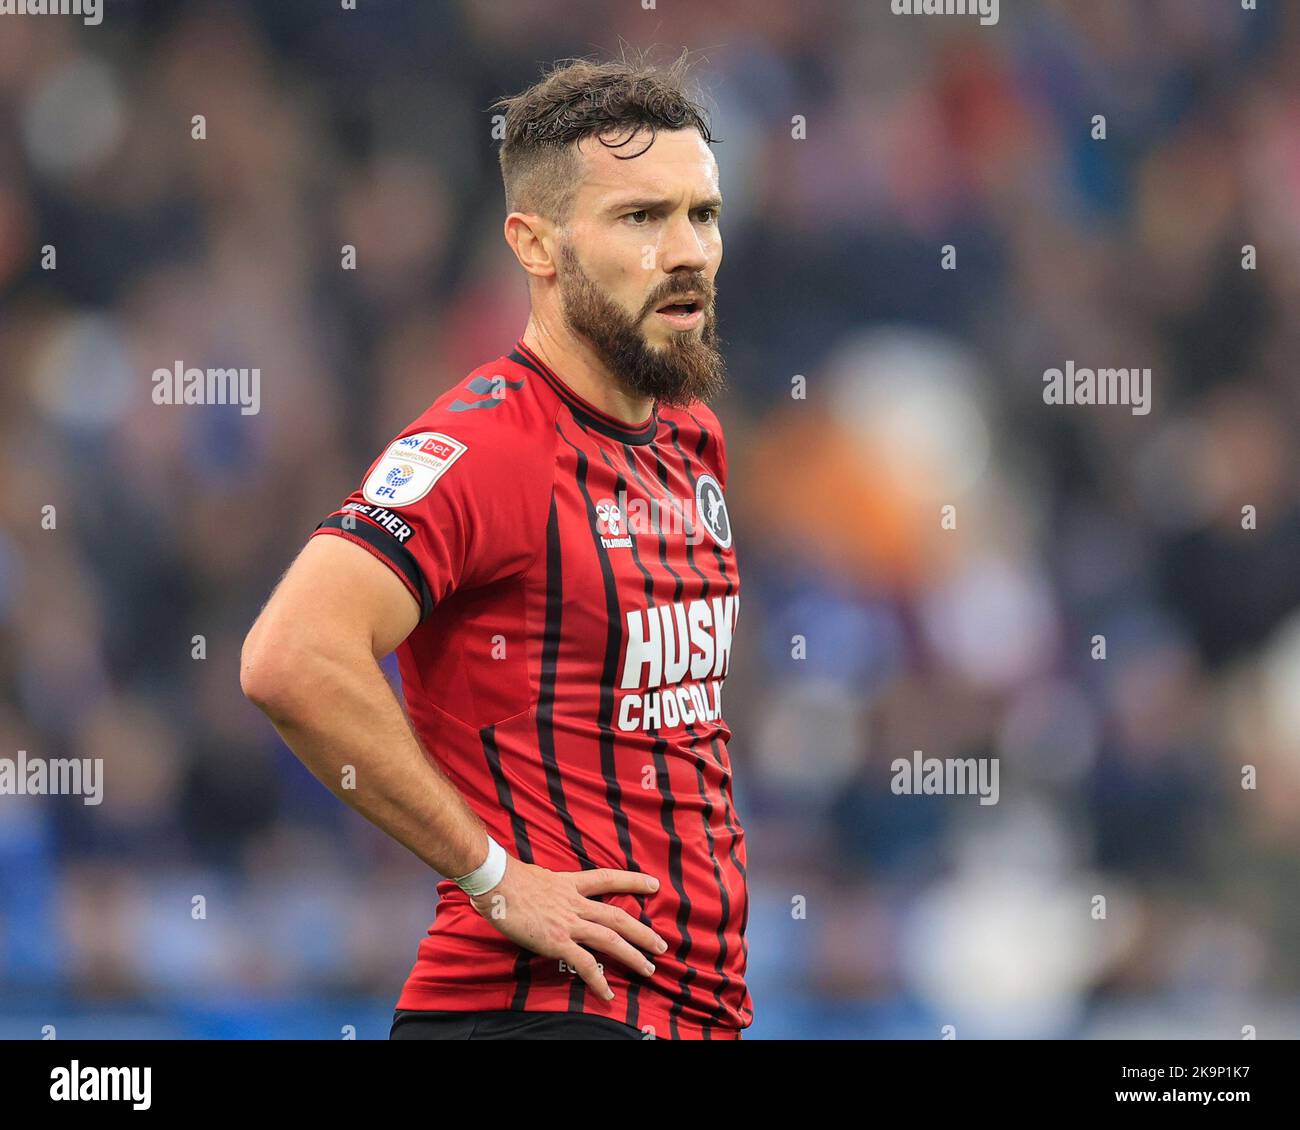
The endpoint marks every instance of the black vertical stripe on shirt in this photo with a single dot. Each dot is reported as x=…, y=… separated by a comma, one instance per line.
x=620, y=485
x=546, y=690
x=705, y=438
x=661, y=771
x=723, y=898
x=523, y=849
x=735, y=860
x=661, y=472
x=546, y=708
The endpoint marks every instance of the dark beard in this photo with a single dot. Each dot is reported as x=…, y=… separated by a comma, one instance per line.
x=687, y=369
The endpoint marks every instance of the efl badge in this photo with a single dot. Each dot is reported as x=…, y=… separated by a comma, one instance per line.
x=410, y=467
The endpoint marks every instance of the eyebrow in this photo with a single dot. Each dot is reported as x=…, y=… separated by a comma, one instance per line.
x=637, y=203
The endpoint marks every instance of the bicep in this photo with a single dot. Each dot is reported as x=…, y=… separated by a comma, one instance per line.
x=337, y=590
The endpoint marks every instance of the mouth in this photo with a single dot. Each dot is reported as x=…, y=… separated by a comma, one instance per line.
x=683, y=312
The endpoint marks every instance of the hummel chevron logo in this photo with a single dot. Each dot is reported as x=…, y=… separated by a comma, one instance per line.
x=494, y=387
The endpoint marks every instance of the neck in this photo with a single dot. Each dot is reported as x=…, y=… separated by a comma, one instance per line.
x=577, y=364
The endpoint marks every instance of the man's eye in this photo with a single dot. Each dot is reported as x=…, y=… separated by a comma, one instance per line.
x=644, y=212
x=708, y=215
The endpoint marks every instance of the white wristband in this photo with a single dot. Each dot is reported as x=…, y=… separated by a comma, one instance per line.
x=488, y=874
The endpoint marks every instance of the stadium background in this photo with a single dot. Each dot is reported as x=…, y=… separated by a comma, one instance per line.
x=1119, y=777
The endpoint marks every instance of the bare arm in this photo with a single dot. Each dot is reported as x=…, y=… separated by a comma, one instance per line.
x=311, y=664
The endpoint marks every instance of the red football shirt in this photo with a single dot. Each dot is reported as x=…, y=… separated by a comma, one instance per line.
x=578, y=589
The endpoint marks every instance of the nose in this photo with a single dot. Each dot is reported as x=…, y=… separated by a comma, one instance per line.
x=681, y=248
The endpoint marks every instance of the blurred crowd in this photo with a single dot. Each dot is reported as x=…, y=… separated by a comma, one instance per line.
x=1140, y=874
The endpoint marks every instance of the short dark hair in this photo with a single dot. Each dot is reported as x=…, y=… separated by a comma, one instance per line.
x=576, y=99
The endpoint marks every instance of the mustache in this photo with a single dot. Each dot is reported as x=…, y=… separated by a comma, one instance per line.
x=698, y=283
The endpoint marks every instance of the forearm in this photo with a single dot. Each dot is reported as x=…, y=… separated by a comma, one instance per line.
x=339, y=712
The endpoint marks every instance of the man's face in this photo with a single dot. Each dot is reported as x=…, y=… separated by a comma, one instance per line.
x=643, y=232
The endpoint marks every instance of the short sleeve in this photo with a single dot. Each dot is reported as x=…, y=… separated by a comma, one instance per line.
x=442, y=511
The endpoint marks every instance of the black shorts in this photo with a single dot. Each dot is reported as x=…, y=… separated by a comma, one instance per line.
x=507, y=1024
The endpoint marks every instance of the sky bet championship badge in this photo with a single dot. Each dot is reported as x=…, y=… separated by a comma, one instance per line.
x=410, y=467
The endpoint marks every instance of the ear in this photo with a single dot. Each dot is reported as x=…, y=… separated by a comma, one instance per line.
x=531, y=238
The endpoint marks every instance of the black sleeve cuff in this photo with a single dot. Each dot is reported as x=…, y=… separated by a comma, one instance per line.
x=390, y=549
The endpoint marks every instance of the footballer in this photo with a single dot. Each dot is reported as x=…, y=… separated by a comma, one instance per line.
x=547, y=547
